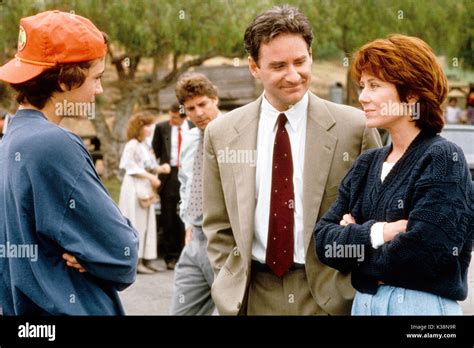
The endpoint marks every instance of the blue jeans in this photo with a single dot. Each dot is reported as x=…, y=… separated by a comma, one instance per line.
x=391, y=300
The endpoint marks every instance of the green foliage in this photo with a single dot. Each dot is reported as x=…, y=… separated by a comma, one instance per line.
x=148, y=28
x=445, y=24
x=113, y=186
x=156, y=28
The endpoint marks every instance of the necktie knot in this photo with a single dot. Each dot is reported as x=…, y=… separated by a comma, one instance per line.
x=282, y=119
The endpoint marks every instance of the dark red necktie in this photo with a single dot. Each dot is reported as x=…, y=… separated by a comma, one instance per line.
x=279, y=255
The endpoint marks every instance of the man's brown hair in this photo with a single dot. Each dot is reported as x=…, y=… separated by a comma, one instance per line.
x=194, y=85
x=269, y=24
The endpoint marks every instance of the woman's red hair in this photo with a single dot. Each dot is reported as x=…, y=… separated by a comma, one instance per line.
x=410, y=64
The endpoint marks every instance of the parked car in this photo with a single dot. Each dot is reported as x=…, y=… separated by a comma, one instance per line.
x=463, y=136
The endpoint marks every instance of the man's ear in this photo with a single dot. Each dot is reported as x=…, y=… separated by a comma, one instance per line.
x=253, y=67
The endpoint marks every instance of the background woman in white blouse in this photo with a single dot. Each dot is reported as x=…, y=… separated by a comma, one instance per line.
x=141, y=171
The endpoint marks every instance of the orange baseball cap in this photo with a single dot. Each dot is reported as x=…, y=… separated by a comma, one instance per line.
x=51, y=38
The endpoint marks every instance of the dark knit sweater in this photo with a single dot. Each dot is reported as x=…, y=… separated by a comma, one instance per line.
x=430, y=185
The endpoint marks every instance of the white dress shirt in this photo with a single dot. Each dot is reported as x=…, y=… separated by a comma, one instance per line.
x=174, y=142
x=296, y=128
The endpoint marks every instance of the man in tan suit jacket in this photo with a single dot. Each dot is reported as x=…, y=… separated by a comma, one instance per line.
x=233, y=192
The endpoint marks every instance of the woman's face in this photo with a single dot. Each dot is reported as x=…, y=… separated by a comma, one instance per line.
x=146, y=131
x=381, y=103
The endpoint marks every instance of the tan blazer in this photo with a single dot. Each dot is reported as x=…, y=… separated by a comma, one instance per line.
x=336, y=135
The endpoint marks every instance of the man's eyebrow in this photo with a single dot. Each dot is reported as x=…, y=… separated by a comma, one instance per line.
x=283, y=62
x=276, y=63
x=301, y=58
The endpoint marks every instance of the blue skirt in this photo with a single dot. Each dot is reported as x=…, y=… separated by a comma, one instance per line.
x=391, y=300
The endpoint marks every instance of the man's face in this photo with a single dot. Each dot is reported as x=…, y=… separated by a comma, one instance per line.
x=176, y=119
x=201, y=110
x=284, y=67
x=88, y=90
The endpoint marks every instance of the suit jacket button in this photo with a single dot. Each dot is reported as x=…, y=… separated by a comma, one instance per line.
x=239, y=305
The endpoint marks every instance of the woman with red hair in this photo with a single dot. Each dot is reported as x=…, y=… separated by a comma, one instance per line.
x=404, y=215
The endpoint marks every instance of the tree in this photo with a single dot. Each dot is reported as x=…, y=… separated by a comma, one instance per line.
x=185, y=32
x=350, y=24
x=179, y=34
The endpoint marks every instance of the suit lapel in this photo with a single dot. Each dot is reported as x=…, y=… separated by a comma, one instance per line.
x=319, y=152
x=244, y=173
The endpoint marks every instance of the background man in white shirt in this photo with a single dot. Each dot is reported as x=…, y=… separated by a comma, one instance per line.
x=193, y=272
x=259, y=216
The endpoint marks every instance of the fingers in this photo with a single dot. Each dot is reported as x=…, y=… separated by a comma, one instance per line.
x=402, y=225
x=72, y=262
x=351, y=219
x=347, y=219
x=69, y=257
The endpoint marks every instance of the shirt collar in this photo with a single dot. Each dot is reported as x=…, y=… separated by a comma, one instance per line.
x=294, y=114
x=30, y=113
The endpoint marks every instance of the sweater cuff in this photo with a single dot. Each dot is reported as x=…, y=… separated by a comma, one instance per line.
x=362, y=235
x=376, y=234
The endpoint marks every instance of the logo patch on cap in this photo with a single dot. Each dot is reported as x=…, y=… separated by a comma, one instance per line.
x=21, y=39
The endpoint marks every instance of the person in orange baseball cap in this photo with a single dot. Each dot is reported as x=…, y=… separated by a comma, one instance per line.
x=50, y=39
x=77, y=247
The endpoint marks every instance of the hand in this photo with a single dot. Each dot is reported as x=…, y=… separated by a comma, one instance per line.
x=71, y=261
x=188, y=236
x=155, y=182
x=391, y=229
x=347, y=219
x=164, y=169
